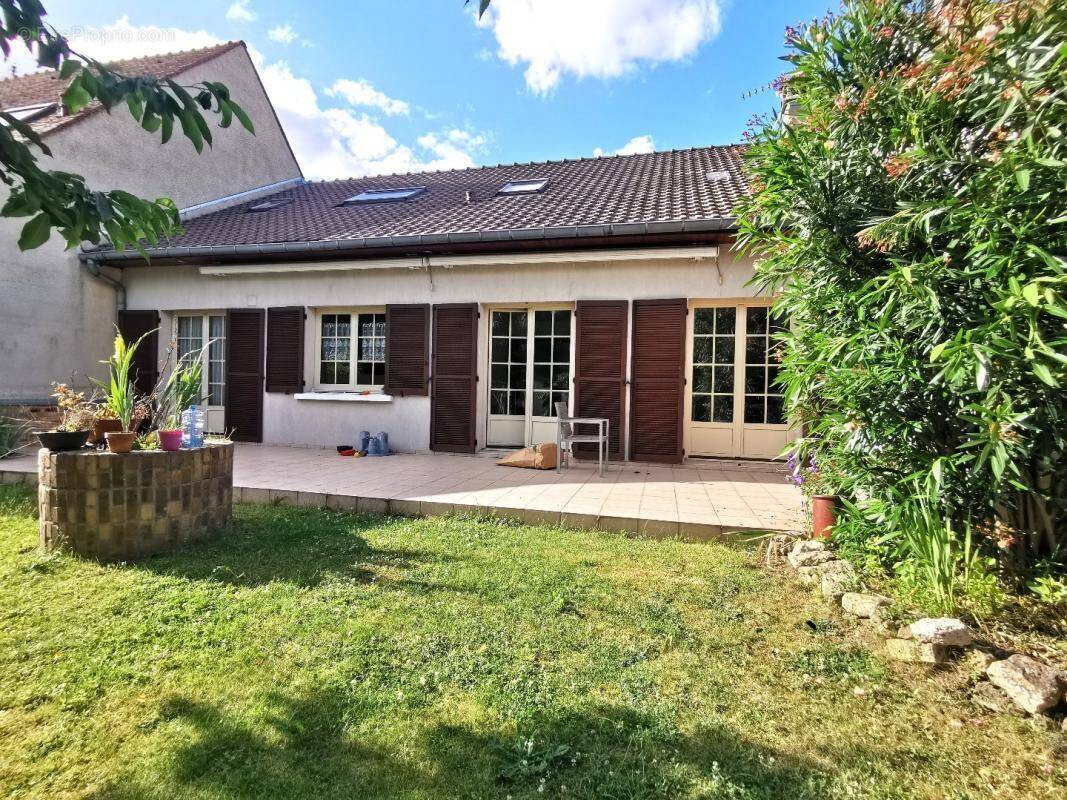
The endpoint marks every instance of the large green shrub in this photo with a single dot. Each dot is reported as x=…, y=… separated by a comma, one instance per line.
x=911, y=209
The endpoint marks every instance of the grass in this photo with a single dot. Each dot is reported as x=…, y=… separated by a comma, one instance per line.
x=321, y=654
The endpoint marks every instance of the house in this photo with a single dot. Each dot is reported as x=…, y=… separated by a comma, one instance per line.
x=453, y=310
x=56, y=316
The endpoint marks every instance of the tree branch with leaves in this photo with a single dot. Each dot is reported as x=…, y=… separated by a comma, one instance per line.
x=61, y=201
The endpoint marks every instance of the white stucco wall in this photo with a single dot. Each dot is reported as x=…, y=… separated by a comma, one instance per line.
x=55, y=319
x=407, y=420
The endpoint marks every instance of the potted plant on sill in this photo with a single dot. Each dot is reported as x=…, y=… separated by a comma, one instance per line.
x=181, y=390
x=76, y=416
x=120, y=395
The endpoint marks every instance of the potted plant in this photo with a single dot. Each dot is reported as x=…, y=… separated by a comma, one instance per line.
x=105, y=422
x=120, y=395
x=76, y=416
x=181, y=390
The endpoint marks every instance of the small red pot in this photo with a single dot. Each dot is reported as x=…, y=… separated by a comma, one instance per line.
x=823, y=515
x=170, y=440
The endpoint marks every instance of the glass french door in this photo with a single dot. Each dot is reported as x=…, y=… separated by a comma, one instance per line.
x=529, y=373
x=735, y=408
x=189, y=335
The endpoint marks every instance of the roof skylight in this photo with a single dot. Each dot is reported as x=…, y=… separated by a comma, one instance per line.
x=385, y=195
x=267, y=205
x=526, y=186
x=31, y=113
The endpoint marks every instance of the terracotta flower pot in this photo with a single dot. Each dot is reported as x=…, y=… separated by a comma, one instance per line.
x=823, y=515
x=102, y=427
x=170, y=440
x=120, y=441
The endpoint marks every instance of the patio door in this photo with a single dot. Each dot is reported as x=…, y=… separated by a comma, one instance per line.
x=529, y=372
x=733, y=406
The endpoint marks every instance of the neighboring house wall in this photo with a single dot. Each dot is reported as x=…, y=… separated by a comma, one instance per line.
x=407, y=419
x=56, y=319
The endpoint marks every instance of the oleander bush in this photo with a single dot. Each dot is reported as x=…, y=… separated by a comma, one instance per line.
x=910, y=207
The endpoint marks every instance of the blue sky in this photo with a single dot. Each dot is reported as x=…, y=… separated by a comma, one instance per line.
x=368, y=87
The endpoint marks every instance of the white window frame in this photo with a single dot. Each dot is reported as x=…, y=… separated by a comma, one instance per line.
x=353, y=345
x=205, y=355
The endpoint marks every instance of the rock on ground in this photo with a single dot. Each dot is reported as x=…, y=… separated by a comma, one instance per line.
x=867, y=606
x=986, y=695
x=1031, y=685
x=943, y=630
x=810, y=558
x=914, y=651
x=836, y=578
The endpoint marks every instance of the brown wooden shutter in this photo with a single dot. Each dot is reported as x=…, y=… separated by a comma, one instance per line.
x=407, y=350
x=133, y=325
x=244, y=374
x=453, y=398
x=657, y=397
x=285, y=349
x=600, y=368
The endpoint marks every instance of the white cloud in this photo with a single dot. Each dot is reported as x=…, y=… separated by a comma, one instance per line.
x=361, y=93
x=597, y=38
x=115, y=42
x=283, y=34
x=329, y=142
x=338, y=142
x=638, y=144
x=121, y=40
x=240, y=12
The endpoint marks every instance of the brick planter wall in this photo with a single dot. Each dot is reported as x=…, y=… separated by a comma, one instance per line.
x=119, y=506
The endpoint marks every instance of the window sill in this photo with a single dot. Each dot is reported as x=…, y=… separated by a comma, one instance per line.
x=345, y=397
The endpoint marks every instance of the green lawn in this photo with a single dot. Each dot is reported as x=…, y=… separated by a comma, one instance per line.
x=322, y=654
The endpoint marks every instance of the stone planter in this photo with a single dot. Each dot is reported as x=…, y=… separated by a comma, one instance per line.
x=116, y=507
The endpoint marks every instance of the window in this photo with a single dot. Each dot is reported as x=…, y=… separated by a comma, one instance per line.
x=508, y=363
x=551, y=361
x=189, y=337
x=713, y=364
x=524, y=186
x=763, y=397
x=515, y=355
x=385, y=195
x=352, y=350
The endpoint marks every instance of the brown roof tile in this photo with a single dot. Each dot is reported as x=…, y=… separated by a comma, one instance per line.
x=42, y=87
x=702, y=183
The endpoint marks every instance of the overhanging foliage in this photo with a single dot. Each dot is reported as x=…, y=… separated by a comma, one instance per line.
x=61, y=201
x=912, y=212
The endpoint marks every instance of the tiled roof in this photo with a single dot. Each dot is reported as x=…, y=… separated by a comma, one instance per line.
x=699, y=184
x=38, y=88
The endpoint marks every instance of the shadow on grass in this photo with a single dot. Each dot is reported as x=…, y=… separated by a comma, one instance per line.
x=302, y=546
x=315, y=746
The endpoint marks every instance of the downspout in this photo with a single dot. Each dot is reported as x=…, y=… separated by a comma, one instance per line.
x=93, y=268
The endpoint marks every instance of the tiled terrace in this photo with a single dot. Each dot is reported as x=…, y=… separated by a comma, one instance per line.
x=698, y=500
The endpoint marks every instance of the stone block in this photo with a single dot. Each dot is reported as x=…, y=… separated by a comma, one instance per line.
x=865, y=606
x=917, y=652
x=942, y=630
x=1030, y=684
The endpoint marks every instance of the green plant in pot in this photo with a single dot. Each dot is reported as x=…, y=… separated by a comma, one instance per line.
x=181, y=390
x=76, y=415
x=120, y=394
